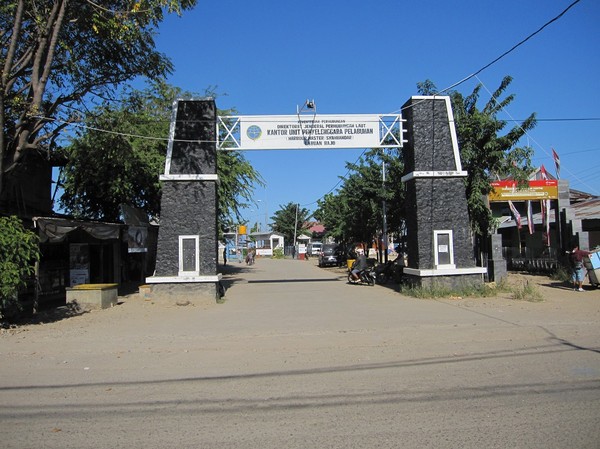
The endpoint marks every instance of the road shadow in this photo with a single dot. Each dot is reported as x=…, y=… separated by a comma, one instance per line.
x=553, y=346
x=51, y=315
x=233, y=273
x=279, y=281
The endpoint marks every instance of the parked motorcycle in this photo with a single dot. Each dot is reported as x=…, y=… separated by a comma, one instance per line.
x=390, y=271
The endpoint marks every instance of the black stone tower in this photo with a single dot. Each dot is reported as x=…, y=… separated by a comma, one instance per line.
x=440, y=246
x=186, y=261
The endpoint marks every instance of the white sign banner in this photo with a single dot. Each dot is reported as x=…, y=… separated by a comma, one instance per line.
x=281, y=132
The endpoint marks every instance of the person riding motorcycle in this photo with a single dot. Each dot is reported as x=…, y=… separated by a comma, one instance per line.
x=359, y=265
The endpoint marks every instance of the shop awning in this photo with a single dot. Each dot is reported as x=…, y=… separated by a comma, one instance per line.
x=56, y=229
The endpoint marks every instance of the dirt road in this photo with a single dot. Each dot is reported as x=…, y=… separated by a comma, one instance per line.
x=297, y=358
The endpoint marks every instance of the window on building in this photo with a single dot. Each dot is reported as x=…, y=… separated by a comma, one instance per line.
x=443, y=249
x=189, y=258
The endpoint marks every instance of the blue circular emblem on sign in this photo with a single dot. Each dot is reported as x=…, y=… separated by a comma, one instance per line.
x=254, y=132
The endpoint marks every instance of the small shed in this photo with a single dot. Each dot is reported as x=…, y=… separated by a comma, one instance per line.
x=267, y=242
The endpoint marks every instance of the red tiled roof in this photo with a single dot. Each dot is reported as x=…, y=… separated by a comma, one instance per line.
x=315, y=226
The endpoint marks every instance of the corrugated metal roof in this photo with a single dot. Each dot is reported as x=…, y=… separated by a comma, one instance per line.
x=588, y=209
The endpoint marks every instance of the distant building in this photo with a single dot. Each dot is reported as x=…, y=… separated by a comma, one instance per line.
x=316, y=229
x=266, y=243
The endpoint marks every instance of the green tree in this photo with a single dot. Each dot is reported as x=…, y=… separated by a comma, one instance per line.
x=237, y=180
x=355, y=212
x=290, y=220
x=119, y=155
x=332, y=211
x=109, y=165
x=486, y=149
x=56, y=55
x=18, y=251
x=363, y=192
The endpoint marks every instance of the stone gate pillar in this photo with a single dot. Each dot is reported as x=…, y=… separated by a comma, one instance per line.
x=440, y=247
x=186, y=260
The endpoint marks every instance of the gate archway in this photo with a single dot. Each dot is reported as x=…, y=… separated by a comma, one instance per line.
x=440, y=247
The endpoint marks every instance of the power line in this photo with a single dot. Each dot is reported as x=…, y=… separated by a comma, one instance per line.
x=573, y=175
x=342, y=178
x=578, y=119
x=166, y=139
x=581, y=151
x=514, y=47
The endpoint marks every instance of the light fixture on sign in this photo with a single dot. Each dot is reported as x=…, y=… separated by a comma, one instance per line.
x=308, y=104
x=307, y=130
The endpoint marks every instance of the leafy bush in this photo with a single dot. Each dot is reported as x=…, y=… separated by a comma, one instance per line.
x=18, y=251
x=278, y=253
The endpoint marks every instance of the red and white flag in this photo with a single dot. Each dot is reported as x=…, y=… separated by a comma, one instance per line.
x=515, y=213
x=556, y=163
x=547, y=227
x=545, y=207
x=543, y=172
x=530, y=218
x=542, y=206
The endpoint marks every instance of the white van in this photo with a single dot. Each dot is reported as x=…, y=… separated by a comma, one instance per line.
x=315, y=248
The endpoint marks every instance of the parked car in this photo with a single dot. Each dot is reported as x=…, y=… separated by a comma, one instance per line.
x=315, y=248
x=329, y=255
x=345, y=252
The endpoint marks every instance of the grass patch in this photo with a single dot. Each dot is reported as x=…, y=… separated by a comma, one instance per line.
x=561, y=274
x=435, y=291
x=527, y=292
x=523, y=292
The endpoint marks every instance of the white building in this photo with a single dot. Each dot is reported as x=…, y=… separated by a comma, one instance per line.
x=266, y=243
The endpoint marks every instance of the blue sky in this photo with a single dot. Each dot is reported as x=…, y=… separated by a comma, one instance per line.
x=268, y=57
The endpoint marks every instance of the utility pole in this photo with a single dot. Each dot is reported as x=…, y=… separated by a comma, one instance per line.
x=295, y=228
x=384, y=225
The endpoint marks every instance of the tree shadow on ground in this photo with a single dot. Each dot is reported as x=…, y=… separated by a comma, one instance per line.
x=232, y=273
x=50, y=315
